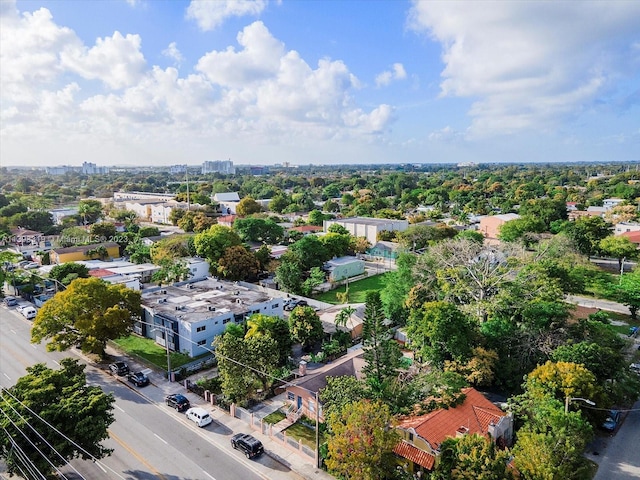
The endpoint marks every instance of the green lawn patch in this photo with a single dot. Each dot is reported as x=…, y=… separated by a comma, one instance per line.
x=274, y=417
x=300, y=431
x=357, y=290
x=150, y=351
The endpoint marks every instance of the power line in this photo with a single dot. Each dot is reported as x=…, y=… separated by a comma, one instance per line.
x=22, y=456
x=88, y=454
x=42, y=438
x=33, y=444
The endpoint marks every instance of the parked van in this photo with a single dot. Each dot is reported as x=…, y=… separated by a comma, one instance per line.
x=28, y=312
x=199, y=416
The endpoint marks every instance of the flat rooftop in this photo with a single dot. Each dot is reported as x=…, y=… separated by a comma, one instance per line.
x=367, y=220
x=343, y=260
x=196, y=301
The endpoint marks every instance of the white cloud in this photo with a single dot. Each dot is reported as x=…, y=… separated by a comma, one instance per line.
x=397, y=73
x=446, y=135
x=115, y=60
x=529, y=65
x=173, y=53
x=211, y=14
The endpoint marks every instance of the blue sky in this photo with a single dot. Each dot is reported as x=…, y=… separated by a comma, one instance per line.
x=161, y=82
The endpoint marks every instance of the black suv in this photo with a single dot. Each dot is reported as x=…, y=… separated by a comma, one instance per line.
x=119, y=368
x=179, y=402
x=248, y=444
x=139, y=379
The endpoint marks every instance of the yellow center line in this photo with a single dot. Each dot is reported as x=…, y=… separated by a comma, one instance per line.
x=136, y=455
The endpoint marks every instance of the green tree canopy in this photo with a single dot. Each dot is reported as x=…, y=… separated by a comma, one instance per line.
x=305, y=326
x=627, y=291
x=77, y=419
x=212, y=244
x=289, y=275
x=248, y=206
x=259, y=230
x=67, y=272
x=238, y=263
x=619, y=248
x=90, y=312
x=362, y=441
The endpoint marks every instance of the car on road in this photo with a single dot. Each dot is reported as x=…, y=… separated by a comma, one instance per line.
x=199, y=416
x=10, y=301
x=139, y=379
x=31, y=265
x=119, y=368
x=178, y=401
x=612, y=421
x=248, y=444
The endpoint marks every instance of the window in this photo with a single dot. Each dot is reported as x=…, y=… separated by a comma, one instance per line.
x=238, y=317
x=312, y=406
x=226, y=320
x=202, y=342
x=411, y=437
x=201, y=329
x=290, y=396
x=276, y=305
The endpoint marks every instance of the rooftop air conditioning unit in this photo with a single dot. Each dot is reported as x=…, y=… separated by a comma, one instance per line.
x=237, y=292
x=163, y=292
x=238, y=300
x=179, y=307
x=212, y=309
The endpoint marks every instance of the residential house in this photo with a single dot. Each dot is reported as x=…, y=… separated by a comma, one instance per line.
x=306, y=229
x=344, y=267
x=354, y=323
x=227, y=220
x=227, y=202
x=490, y=225
x=634, y=237
x=366, y=227
x=422, y=435
x=384, y=249
x=83, y=252
x=59, y=214
x=302, y=392
x=624, y=227
x=22, y=236
x=117, y=279
x=187, y=316
x=609, y=203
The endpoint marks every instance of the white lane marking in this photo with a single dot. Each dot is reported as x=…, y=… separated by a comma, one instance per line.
x=101, y=467
x=208, y=475
x=33, y=346
x=6, y=375
x=118, y=408
x=161, y=439
x=13, y=331
x=56, y=362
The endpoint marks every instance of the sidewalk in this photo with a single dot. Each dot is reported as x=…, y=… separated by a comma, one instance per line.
x=224, y=426
x=591, y=302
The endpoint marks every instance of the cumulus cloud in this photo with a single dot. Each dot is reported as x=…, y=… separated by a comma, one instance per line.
x=385, y=78
x=211, y=14
x=528, y=64
x=173, y=53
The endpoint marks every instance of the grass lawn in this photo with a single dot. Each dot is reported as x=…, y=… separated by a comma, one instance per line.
x=274, y=417
x=151, y=351
x=357, y=290
x=308, y=435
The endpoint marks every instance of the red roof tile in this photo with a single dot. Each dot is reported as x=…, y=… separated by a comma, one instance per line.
x=307, y=228
x=633, y=237
x=476, y=413
x=100, y=272
x=408, y=451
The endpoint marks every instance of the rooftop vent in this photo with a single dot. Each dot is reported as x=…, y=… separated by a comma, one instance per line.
x=212, y=309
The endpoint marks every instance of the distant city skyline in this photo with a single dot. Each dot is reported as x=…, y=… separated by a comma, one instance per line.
x=148, y=83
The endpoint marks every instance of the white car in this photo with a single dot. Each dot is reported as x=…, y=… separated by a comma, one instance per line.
x=199, y=416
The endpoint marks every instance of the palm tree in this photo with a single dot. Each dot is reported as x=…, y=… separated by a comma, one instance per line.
x=344, y=316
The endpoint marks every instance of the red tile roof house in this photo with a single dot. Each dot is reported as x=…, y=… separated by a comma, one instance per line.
x=422, y=435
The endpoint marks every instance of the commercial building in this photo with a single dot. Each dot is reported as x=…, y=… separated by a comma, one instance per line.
x=218, y=166
x=368, y=227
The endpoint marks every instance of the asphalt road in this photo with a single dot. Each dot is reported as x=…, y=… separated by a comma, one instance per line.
x=150, y=440
x=617, y=455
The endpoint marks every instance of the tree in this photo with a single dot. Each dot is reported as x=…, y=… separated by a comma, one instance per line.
x=627, y=291
x=77, y=419
x=440, y=332
x=561, y=380
x=472, y=457
x=479, y=370
x=171, y=248
x=398, y=283
x=100, y=252
x=146, y=232
x=337, y=228
x=171, y=271
x=68, y=272
x=341, y=391
x=138, y=252
x=586, y=233
x=344, y=316
x=259, y=230
x=316, y=217
x=37, y=220
x=275, y=327
x=212, y=244
x=90, y=211
x=310, y=252
x=362, y=441
x=471, y=235
x=618, y=247
x=316, y=277
x=237, y=263
x=103, y=231
x=248, y=206
x=336, y=245
x=604, y=362
x=305, y=326
x=90, y=312
x=289, y=276
x=519, y=229
x=279, y=202
x=381, y=352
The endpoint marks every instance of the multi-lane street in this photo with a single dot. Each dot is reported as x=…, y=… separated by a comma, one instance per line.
x=150, y=441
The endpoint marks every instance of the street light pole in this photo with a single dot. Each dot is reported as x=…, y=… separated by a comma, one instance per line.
x=567, y=400
x=317, y=432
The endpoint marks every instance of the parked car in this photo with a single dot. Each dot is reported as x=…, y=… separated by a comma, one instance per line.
x=28, y=311
x=178, y=401
x=295, y=303
x=199, y=416
x=139, y=379
x=119, y=368
x=612, y=421
x=31, y=265
x=635, y=367
x=247, y=444
x=10, y=301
